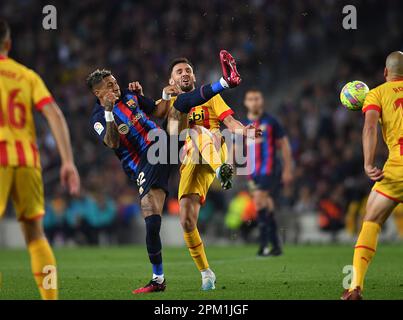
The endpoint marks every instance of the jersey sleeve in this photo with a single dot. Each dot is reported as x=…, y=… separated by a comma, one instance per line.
x=98, y=125
x=372, y=102
x=220, y=108
x=146, y=104
x=279, y=131
x=40, y=93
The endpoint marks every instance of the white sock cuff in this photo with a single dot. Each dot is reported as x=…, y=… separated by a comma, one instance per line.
x=224, y=83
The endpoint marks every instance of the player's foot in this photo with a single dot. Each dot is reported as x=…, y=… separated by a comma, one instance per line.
x=152, y=286
x=355, y=294
x=265, y=252
x=229, y=70
x=224, y=175
x=208, y=281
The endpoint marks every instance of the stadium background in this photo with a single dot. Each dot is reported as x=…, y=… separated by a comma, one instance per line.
x=297, y=52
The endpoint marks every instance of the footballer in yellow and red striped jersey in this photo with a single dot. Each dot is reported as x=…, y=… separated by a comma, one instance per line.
x=195, y=176
x=383, y=104
x=387, y=99
x=21, y=92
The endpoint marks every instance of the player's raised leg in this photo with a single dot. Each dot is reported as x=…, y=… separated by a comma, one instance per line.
x=189, y=212
x=151, y=206
x=379, y=209
x=209, y=146
x=230, y=79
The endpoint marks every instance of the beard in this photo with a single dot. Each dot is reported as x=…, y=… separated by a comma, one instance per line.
x=187, y=87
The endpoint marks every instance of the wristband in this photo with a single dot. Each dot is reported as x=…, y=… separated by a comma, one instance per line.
x=109, y=116
x=165, y=96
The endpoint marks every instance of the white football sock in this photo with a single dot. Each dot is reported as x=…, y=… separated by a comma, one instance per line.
x=158, y=278
x=224, y=83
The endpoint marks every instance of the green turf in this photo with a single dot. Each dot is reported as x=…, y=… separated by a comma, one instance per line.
x=304, y=272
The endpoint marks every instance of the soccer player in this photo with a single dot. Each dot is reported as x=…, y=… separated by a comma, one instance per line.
x=266, y=179
x=21, y=90
x=121, y=122
x=383, y=104
x=196, y=177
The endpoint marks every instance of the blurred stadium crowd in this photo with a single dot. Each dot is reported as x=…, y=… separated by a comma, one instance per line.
x=274, y=41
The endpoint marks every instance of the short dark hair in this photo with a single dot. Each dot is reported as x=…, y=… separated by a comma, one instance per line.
x=176, y=61
x=253, y=90
x=4, y=30
x=96, y=77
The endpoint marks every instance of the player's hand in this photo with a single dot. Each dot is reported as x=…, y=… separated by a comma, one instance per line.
x=287, y=177
x=258, y=132
x=136, y=87
x=374, y=173
x=108, y=101
x=172, y=90
x=70, y=179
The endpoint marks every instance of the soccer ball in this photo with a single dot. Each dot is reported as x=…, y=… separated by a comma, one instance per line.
x=353, y=94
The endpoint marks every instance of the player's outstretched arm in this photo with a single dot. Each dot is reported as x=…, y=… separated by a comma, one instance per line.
x=369, y=142
x=68, y=171
x=163, y=106
x=237, y=127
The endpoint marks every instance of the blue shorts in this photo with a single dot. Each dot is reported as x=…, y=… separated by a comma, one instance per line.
x=270, y=183
x=151, y=176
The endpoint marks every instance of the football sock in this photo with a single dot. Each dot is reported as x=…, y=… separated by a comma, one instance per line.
x=186, y=101
x=262, y=219
x=196, y=249
x=154, y=246
x=41, y=257
x=364, y=251
x=219, y=86
x=273, y=231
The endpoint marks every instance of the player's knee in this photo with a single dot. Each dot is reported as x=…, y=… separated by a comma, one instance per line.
x=188, y=223
x=153, y=202
x=260, y=201
x=188, y=211
x=376, y=218
x=32, y=230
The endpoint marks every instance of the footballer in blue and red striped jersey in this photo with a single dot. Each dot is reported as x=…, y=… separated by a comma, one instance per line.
x=121, y=121
x=269, y=172
x=131, y=114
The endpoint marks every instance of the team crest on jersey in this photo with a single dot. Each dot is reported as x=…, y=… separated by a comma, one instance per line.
x=98, y=127
x=130, y=103
x=123, y=128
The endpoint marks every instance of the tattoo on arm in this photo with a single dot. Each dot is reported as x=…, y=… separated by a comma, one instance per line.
x=112, y=138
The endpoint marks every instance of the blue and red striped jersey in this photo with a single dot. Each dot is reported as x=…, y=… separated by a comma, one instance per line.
x=131, y=117
x=265, y=159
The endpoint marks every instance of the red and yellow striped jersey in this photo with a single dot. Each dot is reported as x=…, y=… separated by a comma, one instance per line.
x=387, y=99
x=208, y=115
x=21, y=89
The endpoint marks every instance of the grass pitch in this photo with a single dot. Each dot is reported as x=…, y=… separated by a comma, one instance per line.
x=304, y=272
